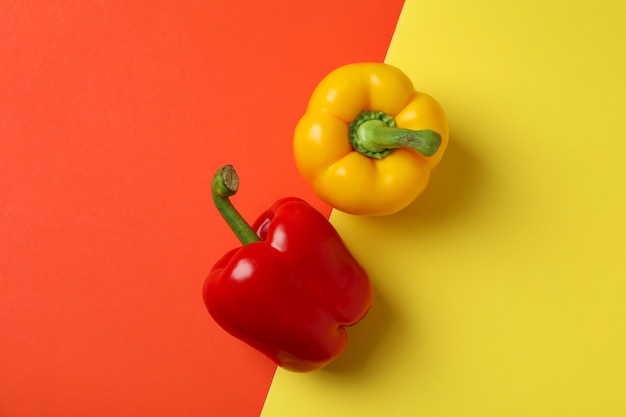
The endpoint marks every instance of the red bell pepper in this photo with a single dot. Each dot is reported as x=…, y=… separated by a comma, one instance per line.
x=292, y=287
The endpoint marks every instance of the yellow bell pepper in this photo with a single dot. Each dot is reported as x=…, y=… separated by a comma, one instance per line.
x=368, y=140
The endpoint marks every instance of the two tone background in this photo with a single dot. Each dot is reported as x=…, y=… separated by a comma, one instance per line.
x=499, y=292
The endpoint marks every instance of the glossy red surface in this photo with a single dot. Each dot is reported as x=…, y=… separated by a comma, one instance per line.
x=290, y=295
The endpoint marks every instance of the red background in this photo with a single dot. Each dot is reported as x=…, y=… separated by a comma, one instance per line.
x=113, y=117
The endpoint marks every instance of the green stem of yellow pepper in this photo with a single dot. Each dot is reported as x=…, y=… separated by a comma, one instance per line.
x=374, y=134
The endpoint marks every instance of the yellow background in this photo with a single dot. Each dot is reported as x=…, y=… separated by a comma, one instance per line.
x=500, y=291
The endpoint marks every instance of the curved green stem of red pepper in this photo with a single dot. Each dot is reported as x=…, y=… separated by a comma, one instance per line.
x=224, y=185
x=374, y=134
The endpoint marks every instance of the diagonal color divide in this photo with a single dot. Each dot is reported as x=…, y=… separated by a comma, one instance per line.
x=500, y=291
x=113, y=117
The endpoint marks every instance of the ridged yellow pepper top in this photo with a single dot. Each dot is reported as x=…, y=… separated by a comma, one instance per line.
x=391, y=173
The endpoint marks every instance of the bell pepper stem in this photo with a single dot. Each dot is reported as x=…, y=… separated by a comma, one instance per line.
x=374, y=133
x=224, y=185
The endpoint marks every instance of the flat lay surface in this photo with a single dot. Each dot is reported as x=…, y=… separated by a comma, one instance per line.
x=113, y=118
x=500, y=291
